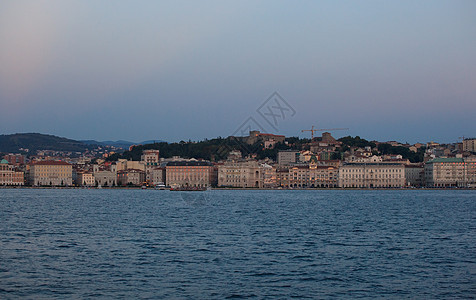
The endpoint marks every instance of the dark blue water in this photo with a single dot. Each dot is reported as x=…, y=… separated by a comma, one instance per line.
x=237, y=244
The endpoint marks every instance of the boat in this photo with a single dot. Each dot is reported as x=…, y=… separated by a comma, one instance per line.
x=160, y=186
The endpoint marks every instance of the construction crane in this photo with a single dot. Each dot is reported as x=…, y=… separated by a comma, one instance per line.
x=312, y=130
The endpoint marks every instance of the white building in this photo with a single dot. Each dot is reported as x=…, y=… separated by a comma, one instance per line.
x=105, y=176
x=157, y=176
x=450, y=172
x=51, y=173
x=371, y=175
x=85, y=179
x=241, y=174
x=151, y=160
x=268, y=175
x=190, y=174
x=130, y=177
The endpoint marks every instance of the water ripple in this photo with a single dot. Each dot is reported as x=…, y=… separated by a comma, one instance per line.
x=57, y=244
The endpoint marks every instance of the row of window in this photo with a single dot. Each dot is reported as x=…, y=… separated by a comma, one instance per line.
x=346, y=176
x=371, y=170
x=180, y=178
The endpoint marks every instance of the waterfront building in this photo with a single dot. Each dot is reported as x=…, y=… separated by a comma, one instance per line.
x=150, y=159
x=156, y=176
x=414, y=175
x=51, y=173
x=315, y=174
x=450, y=172
x=370, y=175
x=190, y=174
x=470, y=170
x=105, y=175
x=133, y=177
x=310, y=176
x=8, y=174
x=241, y=174
x=268, y=175
x=282, y=177
x=85, y=179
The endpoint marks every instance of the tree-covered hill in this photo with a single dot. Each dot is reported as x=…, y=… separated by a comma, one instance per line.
x=37, y=141
x=356, y=142
x=213, y=149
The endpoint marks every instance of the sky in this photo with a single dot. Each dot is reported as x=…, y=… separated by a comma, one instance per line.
x=189, y=70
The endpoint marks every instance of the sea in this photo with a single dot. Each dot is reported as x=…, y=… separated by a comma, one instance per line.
x=237, y=244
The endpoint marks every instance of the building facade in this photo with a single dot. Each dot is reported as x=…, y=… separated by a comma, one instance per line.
x=371, y=175
x=469, y=145
x=450, y=172
x=9, y=176
x=268, y=176
x=151, y=160
x=15, y=159
x=85, y=179
x=105, y=176
x=288, y=157
x=315, y=174
x=311, y=176
x=156, y=176
x=240, y=174
x=124, y=164
x=414, y=176
x=131, y=177
x=190, y=174
x=51, y=173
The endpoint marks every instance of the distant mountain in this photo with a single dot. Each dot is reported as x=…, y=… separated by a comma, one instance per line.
x=37, y=141
x=120, y=144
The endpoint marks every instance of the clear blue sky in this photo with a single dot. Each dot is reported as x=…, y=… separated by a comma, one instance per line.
x=173, y=70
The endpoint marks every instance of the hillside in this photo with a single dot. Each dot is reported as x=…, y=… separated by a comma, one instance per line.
x=120, y=144
x=37, y=141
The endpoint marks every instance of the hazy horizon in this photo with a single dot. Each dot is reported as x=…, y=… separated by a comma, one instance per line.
x=180, y=70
